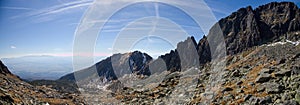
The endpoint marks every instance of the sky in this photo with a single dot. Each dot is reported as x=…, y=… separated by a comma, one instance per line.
x=39, y=27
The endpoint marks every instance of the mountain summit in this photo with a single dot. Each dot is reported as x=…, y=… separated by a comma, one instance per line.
x=114, y=66
x=249, y=27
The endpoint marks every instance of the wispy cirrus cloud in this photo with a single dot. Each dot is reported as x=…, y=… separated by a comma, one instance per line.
x=64, y=7
x=17, y=8
x=44, y=14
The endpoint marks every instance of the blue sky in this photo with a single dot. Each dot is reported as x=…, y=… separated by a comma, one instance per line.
x=39, y=27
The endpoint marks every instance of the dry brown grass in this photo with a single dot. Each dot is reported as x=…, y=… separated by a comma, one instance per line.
x=53, y=101
x=250, y=77
x=119, y=97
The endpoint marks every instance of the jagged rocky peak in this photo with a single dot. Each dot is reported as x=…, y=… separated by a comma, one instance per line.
x=203, y=50
x=240, y=30
x=138, y=63
x=133, y=62
x=243, y=29
x=280, y=20
x=115, y=66
x=269, y=23
x=3, y=69
x=277, y=13
x=184, y=56
x=187, y=52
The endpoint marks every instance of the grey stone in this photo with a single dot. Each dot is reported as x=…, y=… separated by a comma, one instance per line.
x=240, y=91
x=265, y=100
x=251, y=83
x=235, y=73
x=247, y=97
x=272, y=88
x=260, y=88
x=239, y=82
x=297, y=97
x=283, y=73
x=265, y=70
x=263, y=78
x=227, y=89
x=228, y=97
x=295, y=70
x=290, y=102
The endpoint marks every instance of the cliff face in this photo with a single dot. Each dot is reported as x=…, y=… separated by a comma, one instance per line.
x=240, y=30
x=268, y=23
x=3, y=69
x=243, y=29
x=277, y=19
x=184, y=56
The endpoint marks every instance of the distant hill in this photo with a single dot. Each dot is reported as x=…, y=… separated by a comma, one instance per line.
x=39, y=67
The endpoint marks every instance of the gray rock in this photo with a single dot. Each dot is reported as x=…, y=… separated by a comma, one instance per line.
x=283, y=73
x=295, y=70
x=260, y=88
x=254, y=101
x=251, y=83
x=247, y=97
x=272, y=88
x=228, y=97
x=235, y=73
x=263, y=78
x=227, y=89
x=290, y=102
x=239, y=82
x=297, y=97
x=265, y=70
x=265, y=100
x=240, y=91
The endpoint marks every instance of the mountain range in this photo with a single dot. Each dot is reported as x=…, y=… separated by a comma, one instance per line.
x=249, y=57
x=242, y=30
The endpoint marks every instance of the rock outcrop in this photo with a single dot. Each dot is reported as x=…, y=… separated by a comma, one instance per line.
x=3, y=69
x=253, y=27
x=184, y=56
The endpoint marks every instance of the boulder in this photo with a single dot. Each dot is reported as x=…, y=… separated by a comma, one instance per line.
x=263, y=78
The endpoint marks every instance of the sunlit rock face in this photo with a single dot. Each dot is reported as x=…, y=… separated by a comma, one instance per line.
x=115, y=66
x=249, y=27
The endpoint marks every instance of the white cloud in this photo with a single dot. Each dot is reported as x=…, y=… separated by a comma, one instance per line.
x=42, y=15
x=13, y=47
x=65, y=8
x=17, y=8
